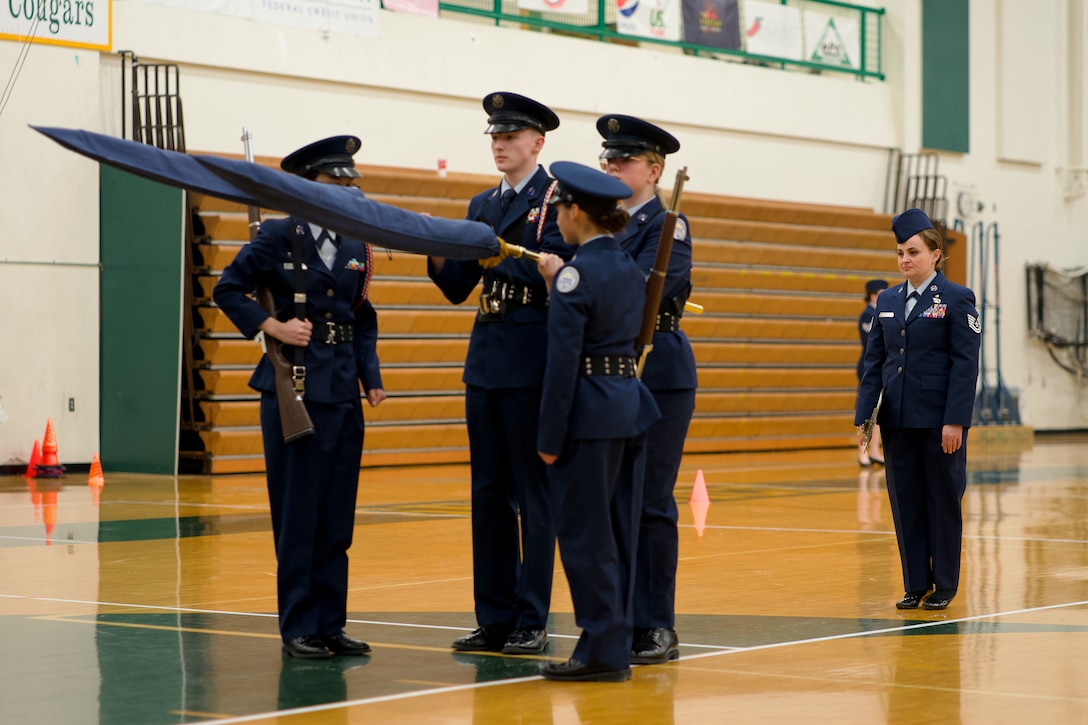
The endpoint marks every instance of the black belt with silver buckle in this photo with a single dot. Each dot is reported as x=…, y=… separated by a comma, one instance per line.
x=494, y=296
x=334, y=333
x=667, y=322
x=622, y=365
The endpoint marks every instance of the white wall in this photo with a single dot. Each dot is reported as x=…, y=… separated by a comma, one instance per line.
x=48, y=257
x=413, y=96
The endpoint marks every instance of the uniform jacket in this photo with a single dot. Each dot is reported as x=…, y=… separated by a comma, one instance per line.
x=927, y=364
x=507, y=351
x=601, y=315
x=671, y=363
x=865, y=323
x=333, y=372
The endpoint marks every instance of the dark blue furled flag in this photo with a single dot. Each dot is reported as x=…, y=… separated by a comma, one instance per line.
x=344, y=210
x=715, y=23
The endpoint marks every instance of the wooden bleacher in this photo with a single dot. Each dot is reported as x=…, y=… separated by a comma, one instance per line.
x=781, y=283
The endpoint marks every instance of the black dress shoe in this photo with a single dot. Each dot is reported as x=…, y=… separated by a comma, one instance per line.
x=939, y=599
x=481, y=639
x=342, y=644
x=574, y=671
x=656, y=646
x=307, y=647
x=525, y=642
x=910, y=600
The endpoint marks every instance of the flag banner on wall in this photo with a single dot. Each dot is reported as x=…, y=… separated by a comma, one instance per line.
x=567, y=7
x=773, y=30
x=354, y=17
x=832, y=40
x=75, y=25
x=715, y=23
x=649, y=18
x=427, y=8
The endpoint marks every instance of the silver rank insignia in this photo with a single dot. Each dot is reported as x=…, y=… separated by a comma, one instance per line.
x=681, y=230
x=567, y=279
x=974, y=323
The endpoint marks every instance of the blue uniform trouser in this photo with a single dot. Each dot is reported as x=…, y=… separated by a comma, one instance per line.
x=926, y=487
x=658, y=539
x=512, y=565
x=596, y=488
x=312, y=484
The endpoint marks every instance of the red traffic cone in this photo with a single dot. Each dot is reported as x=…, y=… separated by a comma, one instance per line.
x=49, y=467
x=35, y=459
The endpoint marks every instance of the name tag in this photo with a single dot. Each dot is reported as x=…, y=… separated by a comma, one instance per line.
x=887, y=314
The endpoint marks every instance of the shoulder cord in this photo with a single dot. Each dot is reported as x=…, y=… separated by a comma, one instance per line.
x=544, y=206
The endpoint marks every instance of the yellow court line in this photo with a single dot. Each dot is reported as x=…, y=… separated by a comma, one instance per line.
x=198, y=713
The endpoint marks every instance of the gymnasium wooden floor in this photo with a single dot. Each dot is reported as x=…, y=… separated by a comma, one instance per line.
x=157, y=605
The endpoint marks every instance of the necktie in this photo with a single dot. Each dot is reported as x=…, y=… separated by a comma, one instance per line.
x=326, y=247
x=912, y=300
x=507, y=198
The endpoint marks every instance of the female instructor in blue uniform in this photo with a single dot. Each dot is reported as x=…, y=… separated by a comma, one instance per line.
x=923, y=351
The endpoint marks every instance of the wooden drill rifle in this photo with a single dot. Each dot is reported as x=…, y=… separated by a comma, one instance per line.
x=290, y=379
x=655, y=285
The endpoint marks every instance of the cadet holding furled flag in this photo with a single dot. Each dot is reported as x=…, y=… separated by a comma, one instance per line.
x=513, y=536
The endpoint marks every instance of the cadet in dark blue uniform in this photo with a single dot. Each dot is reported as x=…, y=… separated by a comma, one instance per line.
x=312, y=481
x=512, y=564
x=923, y=351
x=634, y=152
x=868, y=455
x=593, y=420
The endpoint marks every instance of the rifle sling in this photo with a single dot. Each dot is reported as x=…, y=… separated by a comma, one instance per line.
x=299, y=297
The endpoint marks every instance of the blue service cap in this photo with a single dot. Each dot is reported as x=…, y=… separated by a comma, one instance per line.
x=332, y=156
x=580, y=184
x=909, y=223
x=875, y=285
x=508, y=112
x=626, y=136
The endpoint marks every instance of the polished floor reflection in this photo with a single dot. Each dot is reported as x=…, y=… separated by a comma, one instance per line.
x=153, y=602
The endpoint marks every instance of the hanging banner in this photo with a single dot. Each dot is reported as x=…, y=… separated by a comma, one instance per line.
x=426, y=8
x=773, y=30
x=832, y=40
x=649, y=18
x=354, y=17
x=715, y=23
x=76, y=25
x=566, y=7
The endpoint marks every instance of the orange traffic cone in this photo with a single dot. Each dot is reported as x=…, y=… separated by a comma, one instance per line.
x=698, y=491
x=96, y=480
x=49, y=514
x=49, y=467
x=35, y=459
x=700, y=503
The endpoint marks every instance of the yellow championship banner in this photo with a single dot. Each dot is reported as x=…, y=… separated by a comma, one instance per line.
x=70, y=23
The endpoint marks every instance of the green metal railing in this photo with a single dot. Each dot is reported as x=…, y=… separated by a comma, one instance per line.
x=599, y=23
